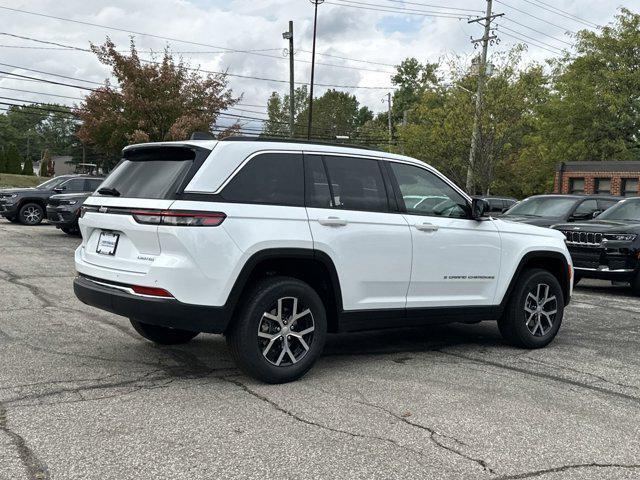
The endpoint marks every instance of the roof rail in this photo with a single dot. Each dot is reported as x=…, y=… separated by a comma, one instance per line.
x=240, y=138
x=202, y=136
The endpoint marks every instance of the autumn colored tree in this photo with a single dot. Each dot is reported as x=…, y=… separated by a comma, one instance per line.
x=151, y=101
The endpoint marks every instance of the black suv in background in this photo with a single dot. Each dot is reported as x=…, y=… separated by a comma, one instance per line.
x=608, y=246
x=63, y=211
x=27, y=205
x=547, y=210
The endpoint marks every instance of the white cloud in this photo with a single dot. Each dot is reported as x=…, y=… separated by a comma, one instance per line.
x=244, y=24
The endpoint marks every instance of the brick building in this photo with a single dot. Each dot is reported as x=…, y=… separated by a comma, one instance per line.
x=607, y=178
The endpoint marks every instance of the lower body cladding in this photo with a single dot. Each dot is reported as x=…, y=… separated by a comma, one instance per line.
x=616, y=264
x=165, y=312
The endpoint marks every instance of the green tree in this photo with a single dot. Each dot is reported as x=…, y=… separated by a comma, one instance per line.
x=27, y=168
x=594, y=111
x=14, y=165
x=412, y=79
x=150, y=101
x=277, y=124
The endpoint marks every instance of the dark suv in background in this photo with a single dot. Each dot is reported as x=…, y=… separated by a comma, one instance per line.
x=547, y=210
x=63, y=211
x=28, y=205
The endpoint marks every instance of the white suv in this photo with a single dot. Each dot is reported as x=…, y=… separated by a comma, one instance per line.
x=275, y=244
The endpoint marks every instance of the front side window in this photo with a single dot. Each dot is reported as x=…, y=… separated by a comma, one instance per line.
x=603, y=185
x=424, y=193
x=92, y=184
x=268, y=178
x=586, y=208
x=356, y=184
x=73, y=185
x=576, y=186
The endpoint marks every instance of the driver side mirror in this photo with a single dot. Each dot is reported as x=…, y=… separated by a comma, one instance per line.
x=596, y=213
x=478, y=208
x=581, y=216
x=59, y=189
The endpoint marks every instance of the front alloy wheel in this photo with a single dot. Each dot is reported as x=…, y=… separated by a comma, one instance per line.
x=541, y=308
x=533, y=314
x=31, y=214
x=286, y=331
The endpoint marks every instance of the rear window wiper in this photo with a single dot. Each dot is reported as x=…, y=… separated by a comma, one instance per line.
x=109, y=191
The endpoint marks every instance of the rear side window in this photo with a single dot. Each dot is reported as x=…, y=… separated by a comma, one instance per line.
x=356, y=184
x=269, y=178
x=316, y=184
x=151, y=172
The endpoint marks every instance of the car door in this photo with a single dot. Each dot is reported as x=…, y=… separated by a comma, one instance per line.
x=456, y=260
x=351, y=220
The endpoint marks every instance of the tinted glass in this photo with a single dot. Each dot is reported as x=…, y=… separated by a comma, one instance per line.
x=603, y=185
x=49, y=184
x=91, y=184
x=576, y=185
x=357, y=184
x=586, y=207
x=74, y=185
x=630, y=187
x=147, y=178
x=317, y=191
x=270, y=178
x=604, y=204
x=625, y=210
x=543, y=207
x=436, y=197
x=495, y=204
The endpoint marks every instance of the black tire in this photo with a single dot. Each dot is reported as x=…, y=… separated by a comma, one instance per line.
x=163, y=335
x=246, y=338
x=31, y=214
x=521, y=325
x=70, y=230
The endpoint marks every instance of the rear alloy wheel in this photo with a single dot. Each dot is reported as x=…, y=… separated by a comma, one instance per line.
x=31, y=214
x=534, y=313
x=163, y=335
x=280, y=332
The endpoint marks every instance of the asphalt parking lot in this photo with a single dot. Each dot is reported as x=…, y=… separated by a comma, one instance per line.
x=82, y=396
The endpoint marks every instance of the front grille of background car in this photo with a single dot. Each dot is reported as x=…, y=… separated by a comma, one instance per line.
x=590, y=239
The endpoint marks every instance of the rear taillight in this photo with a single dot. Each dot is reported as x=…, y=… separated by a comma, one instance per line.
x=151, y=291
x=178, y=218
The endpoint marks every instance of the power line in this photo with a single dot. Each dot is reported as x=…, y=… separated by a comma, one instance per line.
x=172, y=39
x=563, y=13
x=559, y=50
x=347, y=58
x=372, y=7
x=539, y=31
x=28, y=78
x=435, y=6
x=529, y=43
x=40, y=93
x=63, y=47
x=533, y=16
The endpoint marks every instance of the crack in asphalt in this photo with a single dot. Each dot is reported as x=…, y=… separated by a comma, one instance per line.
x=433, y=434
x=564, y=468
x=300, y=419
x=36, y=468
x=546, y=376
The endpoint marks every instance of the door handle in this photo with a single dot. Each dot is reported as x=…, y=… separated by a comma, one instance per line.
x=332, y=222
x=426, y=227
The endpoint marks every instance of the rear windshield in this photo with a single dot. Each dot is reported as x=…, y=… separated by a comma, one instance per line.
x=152, y=173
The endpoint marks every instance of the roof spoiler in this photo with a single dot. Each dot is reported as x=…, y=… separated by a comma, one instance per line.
x=202, y=136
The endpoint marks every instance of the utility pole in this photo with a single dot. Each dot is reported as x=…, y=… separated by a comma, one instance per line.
x=313, y=64
x=289, y=36
x=485, y=40
x=389, y=118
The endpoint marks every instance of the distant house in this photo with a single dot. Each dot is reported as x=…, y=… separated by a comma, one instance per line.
x=610, y=178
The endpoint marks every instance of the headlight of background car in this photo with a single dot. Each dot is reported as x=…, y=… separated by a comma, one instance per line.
x=621, y=237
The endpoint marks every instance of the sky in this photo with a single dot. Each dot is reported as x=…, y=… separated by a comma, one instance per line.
x=244, y=38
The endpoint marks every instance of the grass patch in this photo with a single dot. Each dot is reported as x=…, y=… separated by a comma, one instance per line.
x=8, y=180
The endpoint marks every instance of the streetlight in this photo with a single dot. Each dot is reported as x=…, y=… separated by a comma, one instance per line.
x=313, y=63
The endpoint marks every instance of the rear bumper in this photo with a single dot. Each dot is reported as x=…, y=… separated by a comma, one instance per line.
x=61, y=217
x=155, y=311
